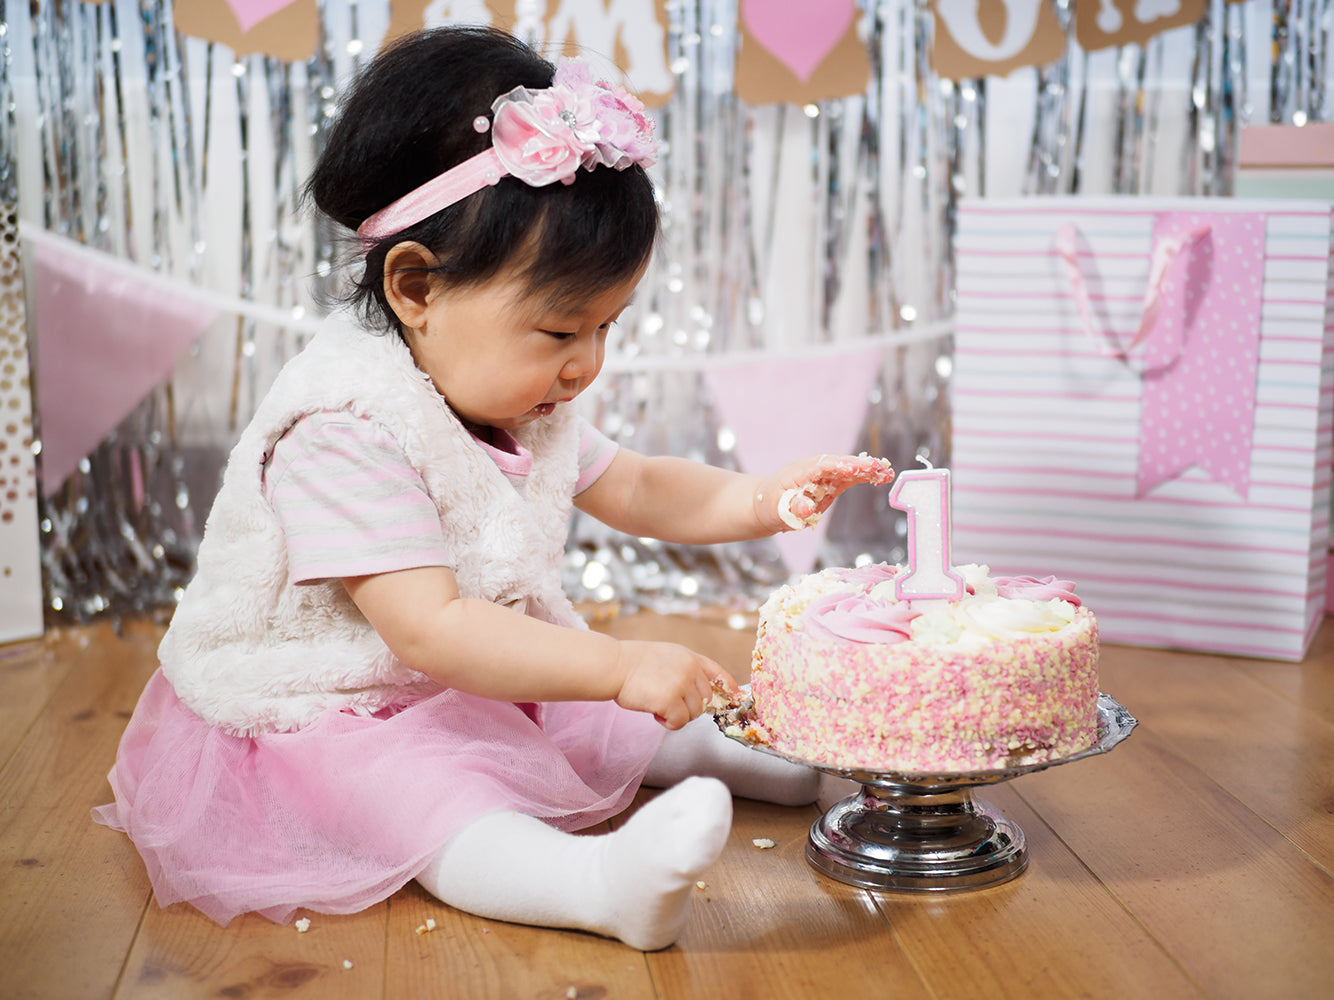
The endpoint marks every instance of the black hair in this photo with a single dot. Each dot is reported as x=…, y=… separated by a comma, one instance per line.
x=409, y=116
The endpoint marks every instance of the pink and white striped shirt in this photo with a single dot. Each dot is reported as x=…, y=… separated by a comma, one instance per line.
x=351, y=504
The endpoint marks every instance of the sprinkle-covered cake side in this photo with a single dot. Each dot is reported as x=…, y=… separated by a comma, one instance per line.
x=845, y=674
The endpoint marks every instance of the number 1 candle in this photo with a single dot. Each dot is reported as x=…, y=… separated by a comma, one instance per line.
x=925, y=495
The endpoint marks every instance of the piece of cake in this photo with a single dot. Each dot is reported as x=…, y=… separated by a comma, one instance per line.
x=846, y=674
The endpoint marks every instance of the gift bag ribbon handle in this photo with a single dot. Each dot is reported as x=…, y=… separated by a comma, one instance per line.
x=1164, y=254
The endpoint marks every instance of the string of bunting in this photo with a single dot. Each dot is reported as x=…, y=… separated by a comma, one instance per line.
x=297, y=319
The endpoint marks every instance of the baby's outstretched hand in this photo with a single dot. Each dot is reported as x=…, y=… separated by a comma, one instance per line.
x=799, y=493
x=669, y=681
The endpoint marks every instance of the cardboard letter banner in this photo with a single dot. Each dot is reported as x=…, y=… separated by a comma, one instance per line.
x=283, y=29
x=1107, y=23
x=799, y=51
x=409, y=15
x=974, y=39
x=626, y=42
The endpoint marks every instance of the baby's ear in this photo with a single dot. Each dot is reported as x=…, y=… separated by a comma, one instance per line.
x=407, y=282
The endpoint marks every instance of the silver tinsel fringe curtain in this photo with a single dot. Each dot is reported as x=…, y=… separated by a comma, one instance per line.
x=785, y=228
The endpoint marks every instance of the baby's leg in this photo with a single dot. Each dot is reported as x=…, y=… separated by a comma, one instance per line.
x=633, y=884
x=699, y=748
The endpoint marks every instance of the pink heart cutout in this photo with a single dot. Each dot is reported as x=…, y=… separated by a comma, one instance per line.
x=798, y=33
x=250, y=12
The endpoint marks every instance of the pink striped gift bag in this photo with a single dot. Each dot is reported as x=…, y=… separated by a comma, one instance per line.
x=1143, y=401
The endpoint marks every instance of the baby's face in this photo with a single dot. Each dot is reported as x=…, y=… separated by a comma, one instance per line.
x=502, y=359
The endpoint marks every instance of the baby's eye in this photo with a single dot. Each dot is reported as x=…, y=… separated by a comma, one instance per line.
x=561, y=334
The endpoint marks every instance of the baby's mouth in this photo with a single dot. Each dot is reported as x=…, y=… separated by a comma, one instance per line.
x=544, y=409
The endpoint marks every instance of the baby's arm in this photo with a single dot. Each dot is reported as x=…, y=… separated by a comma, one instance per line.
x=677, y=500
x=496, y=652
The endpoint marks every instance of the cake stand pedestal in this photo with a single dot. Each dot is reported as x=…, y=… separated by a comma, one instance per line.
x=919, y=832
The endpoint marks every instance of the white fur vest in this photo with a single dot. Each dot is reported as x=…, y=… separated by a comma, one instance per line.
x=252, y=653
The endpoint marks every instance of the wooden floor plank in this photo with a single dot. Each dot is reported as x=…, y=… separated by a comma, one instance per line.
x=181, y=954
x=1184, y=861
x=1054, y=931
x=30, y=672
x=463, y=955
x=1309, y=683
x=73, y=891
x=468, y=956
x=1236, y=905
x=769, y=927
x=1272, y=753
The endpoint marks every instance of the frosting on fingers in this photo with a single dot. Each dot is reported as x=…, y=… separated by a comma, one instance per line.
x=812, y=492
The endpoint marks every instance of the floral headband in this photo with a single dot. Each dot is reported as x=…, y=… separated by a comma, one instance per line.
x=538, y=136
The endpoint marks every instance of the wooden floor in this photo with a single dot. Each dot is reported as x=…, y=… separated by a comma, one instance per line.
x=1196, y=859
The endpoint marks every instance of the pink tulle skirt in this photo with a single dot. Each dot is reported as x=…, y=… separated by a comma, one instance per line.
x=342, y=813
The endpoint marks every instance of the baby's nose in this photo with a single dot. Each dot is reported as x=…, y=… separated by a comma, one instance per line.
x=581, y=365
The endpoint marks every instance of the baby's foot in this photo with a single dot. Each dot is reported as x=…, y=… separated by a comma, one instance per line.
x=652, y=863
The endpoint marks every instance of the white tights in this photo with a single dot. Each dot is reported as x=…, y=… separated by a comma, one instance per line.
x=634, y=883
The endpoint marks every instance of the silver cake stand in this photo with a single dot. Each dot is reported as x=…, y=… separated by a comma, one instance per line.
x=919, y=832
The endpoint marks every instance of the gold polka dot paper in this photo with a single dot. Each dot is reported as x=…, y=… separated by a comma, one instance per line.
x=20, y=562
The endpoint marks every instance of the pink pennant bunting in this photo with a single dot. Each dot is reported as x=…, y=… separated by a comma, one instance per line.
x=250, y=12
x=784, y=408
x=105, y=338
x=1202, y=353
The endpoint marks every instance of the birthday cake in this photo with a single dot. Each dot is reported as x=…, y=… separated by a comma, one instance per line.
x=844, y=673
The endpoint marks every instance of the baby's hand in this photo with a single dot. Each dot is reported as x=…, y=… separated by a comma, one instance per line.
x=801, y=492
x=670, y=681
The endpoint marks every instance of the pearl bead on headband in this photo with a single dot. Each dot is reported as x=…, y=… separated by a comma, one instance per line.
x=538, y=136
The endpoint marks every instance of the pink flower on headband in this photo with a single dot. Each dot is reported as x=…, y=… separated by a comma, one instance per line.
x=625, y=134
x=544, y=136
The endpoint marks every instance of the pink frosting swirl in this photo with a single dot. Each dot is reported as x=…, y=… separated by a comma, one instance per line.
x=866, y=576
x=859, y=618
x=1031, y=588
